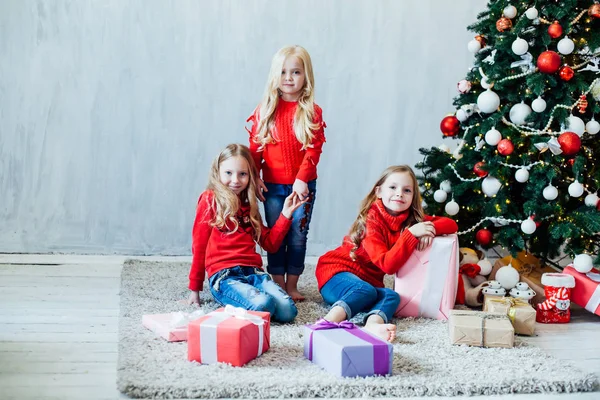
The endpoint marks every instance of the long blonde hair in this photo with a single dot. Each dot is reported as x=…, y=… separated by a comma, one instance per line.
x=415, y=212
x=226, y=202
x=304, y=124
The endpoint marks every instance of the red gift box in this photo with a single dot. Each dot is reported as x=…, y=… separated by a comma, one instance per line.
x=587, y=289
x=229, y=335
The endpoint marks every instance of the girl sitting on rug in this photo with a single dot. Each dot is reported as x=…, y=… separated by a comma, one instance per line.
x=227, y=227
x=389, y=226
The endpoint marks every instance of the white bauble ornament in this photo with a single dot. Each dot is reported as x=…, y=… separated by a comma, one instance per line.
x=520, y=46
x=485, y=83
x=464, y=86
x=531, y=13
x=592, y=127
x=446, y=186
x=591, y=200
x=510, y=11
x=522, y=175
x=486, y=267
x=461, y=115
x=493, y=136
x=451, y=208
x=583, y=263
x=444, y=148
x=508, y=276
x=488, y=101
x=550, y=192
x=440, y=196
x=519, y=113
x=539, y=105
x=528, y=227
x=565, y=46
x=575, y=189
x=490, y=186
x=474, y=46
x=575, y=124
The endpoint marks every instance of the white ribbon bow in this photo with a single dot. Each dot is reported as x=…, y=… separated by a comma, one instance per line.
x=552, y=144
x=181, y=319
x=241, y=313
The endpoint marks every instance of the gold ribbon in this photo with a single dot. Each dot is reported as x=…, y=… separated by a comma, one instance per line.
x=511, y=302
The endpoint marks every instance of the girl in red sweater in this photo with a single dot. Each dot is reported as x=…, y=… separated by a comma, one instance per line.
x=286, y=140
x=389, y=226
x=227, y=228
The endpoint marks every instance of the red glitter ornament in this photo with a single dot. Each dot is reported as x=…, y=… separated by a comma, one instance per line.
x=484, y=237
x=548, y=62
x=555, y=30
x=505, y=147
x=450, y=125
x=570, y=143
x=478, y=169
x=566, y=73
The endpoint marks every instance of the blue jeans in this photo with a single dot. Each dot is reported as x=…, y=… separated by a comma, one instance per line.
x=289, y=259
x=354, y=295
x=253, y=289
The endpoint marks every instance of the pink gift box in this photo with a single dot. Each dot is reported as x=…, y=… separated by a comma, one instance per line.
x=172, y=326
x=428, y=281
x=586, y=292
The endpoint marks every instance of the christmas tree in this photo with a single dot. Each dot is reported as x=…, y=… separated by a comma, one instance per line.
x=524, y=174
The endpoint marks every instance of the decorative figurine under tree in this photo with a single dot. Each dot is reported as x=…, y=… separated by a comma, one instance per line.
x=557, y=307
x=524, y=174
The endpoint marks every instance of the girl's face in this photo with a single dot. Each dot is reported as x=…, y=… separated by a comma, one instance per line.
x=234, y=173
x=292, y=79
x=396, y=192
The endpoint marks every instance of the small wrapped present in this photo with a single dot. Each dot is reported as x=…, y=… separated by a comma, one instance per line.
x=519, y=312
x=172, y=326
x=428, y=281
x=230, y=335
x=481, y=329
x=344, y=349
x=587, y=289
x=530, y=270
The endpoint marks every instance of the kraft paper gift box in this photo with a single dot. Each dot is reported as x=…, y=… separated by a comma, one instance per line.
x=346, y=350
x=172, y=326
x=586, y=292
x=519, y=312
x=530, y=271
x=481, y=329
x=428, y=281
x=229, y=335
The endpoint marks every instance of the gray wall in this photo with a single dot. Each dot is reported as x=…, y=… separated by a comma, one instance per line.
x=111, y=111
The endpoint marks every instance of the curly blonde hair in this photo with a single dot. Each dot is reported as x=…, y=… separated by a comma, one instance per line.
x=357, y=230
x=304, y=124
x=226, y=202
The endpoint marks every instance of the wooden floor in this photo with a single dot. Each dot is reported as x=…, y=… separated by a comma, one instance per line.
x=59, y=322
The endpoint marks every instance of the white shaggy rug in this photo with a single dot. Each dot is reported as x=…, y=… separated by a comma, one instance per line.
x=425, y=363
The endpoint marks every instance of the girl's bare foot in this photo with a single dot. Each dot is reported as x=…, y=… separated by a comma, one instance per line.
x=291, y=287
x=296, y=295
x=385, y=332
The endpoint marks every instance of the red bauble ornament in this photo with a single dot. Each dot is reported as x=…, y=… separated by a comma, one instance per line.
x=566, y=73
x=450, y=125
x=594, y=10
x=505, y=147
x=503, y=24
x=478, y=169
x=548, y=62
x=483, y=237
x=555, y=30
x=571, y=161
x=570, y=143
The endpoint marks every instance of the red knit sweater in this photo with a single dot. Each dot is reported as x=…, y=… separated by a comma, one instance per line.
x=214, y=250
x=384, y=249
x=285, y=161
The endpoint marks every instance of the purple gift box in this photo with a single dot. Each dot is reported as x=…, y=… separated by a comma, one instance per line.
x=345, y=350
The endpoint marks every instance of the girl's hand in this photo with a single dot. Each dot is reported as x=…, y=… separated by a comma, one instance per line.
x=424, y=242
x=261, y=188
x=423, y=229
x=300, y=188
x=291, y=204
x=194, y=298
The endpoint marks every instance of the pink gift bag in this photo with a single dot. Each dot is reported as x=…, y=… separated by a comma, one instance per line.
x=428, y=281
